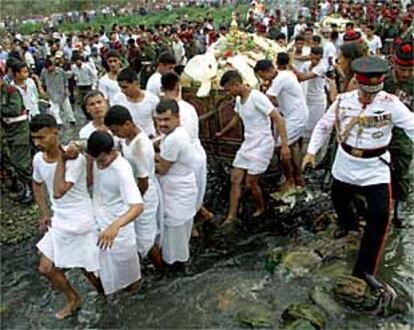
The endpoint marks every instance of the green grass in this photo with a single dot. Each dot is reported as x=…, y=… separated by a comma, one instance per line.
x=219, y=14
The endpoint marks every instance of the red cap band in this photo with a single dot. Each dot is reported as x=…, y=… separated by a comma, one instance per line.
x=364, y=80
x=399, y=61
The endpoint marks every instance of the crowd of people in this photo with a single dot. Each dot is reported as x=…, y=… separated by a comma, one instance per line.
x=131, y=186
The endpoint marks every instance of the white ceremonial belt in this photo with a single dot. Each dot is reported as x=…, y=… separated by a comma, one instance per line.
x=12, y=120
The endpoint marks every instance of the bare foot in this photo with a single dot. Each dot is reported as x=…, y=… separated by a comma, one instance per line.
x=204, y=215
x=300, y=182
x=287, y=187
x=134, y=286
x=228, y=222
x=195, y=232
x=258, y=213
x=69, y=308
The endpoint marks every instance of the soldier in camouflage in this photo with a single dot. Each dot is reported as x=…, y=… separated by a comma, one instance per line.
x=401, y=83
x=15, y=127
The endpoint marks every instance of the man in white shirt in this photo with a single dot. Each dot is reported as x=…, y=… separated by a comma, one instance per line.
x=178, y=48
x=27, y=88
x=108, y=83
x=85, y=77
x=253, y=158
x=286, y=92
x=138, y=149
x=189, y=120
x=316, y=99
x=330, y=52
x=300, y=26
x=117, y=202
x=362, y=159
x=141, y=104
x=178, y=184
x=70, y=239
x=165, y=63
x=373, y=41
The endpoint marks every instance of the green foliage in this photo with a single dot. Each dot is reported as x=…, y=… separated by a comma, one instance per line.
x=219, y=14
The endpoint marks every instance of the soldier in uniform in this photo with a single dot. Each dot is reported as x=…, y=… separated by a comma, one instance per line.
x=15, y=127
x=401, y=83
x=364, y=119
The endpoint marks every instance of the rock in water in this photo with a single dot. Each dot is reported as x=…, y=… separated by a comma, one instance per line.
x=305, y=312
x=300, y=262
x=323, y=298
x=256, y=316
x=300, y=325
x=352, y=290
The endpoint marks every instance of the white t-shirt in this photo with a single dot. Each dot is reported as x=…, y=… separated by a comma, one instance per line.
x=374, y=44
x=330, y=51
x=73, y=212
x=254, y=113
x=299, y=64
x=142, y=112
x=141, y=155
x=30, y=96
x=316, y=86
x=109, y=87
x=114, y=189
x=176, y=147
x=154, y=84
x=189, y=120
x=286, y=88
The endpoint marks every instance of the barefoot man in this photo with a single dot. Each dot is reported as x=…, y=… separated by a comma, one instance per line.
x=117, y=203
x=253, y=158
x=70, y=239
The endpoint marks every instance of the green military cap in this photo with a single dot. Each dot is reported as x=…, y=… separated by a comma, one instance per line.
x=370, y=72
x=404, y=54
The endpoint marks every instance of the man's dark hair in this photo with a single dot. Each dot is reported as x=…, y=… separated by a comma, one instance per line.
x=117, y=115
x=317, y=51
x=169, y=81
x=100, y=141
x=48, y=63
x=77, y=56
x=166, y=58
x=18, y=66
x=317, y=39
x=349, y=24
x=230, y=77
x=41, y=121
x=281, y=35
x=299, y=38
x=168, y=104
x=334, y=35
x=128, y=74
x=11, y=61
x=371, y=27
x=263, y=65
x=282, y=59
x=112, y=53
x=309, y=29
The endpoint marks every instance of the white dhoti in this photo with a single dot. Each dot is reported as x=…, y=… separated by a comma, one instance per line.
x=146, y=226
x=200, y=171
x=69, y=250
x=179, y=199
x=317, y=106
x=120, y=264
x=255, y=153
x=176, y=243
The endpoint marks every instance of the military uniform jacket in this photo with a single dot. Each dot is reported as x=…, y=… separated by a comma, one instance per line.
x=12, y=106
x=372, y=131
x=403, y=90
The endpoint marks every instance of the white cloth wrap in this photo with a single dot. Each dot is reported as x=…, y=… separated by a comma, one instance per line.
x=68, y=250
x=120, y=264
x=317, y=106
x=175, y=244
x=179, y=198
x=146, y=226
x=255, y=153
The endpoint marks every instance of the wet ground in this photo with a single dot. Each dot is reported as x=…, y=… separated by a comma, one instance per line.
x=240, y=277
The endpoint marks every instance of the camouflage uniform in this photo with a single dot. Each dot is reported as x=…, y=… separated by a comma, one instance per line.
x=401, y=147
x=16, y=134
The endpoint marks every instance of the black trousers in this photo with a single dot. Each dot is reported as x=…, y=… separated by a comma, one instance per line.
x=378, y=199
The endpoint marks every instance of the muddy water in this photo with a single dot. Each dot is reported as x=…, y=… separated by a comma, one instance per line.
x=226, y=284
